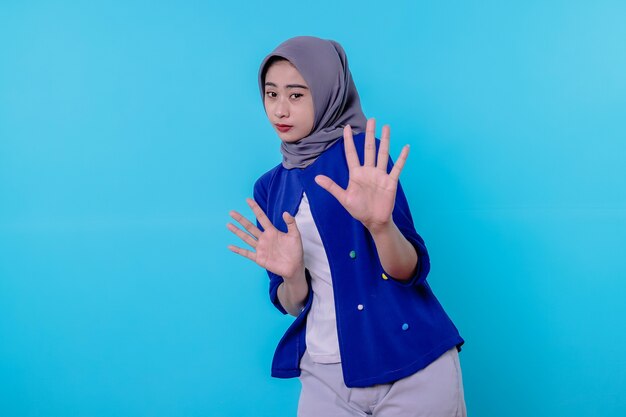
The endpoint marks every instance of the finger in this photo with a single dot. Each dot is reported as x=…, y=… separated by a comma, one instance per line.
x=260, y=215
x=241, y=234
x=370, y=143
x=348, y=145
x=397, y=168
x=243, y=252
x=332, y=187
x=248, y=225
x=383, y=150
x=290, y=221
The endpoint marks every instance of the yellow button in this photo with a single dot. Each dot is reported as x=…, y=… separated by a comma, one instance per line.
x=385, y=276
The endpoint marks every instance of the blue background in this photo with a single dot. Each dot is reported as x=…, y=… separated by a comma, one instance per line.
x=129, y=129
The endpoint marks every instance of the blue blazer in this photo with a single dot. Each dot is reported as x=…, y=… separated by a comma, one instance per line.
x=402, y=327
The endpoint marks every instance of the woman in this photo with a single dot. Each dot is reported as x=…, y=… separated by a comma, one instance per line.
x=335, y=234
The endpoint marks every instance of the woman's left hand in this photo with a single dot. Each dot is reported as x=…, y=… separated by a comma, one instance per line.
x=371, y=192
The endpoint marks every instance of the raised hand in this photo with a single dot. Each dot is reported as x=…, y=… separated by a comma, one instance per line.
x=278, y=252
x=371, y=192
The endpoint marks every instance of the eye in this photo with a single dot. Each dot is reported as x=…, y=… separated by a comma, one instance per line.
x=296, y=95
x=271, y=94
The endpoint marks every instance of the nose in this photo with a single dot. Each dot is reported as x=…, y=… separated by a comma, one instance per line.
x=281, y=109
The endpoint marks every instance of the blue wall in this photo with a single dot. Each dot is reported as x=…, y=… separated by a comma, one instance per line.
x=129, y=129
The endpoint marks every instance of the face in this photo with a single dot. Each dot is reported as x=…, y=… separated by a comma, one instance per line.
x=288, y=102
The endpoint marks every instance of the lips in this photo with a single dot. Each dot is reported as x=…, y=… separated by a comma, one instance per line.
x=283, y=128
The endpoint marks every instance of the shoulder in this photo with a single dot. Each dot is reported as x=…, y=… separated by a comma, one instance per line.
x=261, y=185
x=335, y=153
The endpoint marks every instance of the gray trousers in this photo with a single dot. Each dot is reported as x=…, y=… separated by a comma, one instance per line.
x=435, y=391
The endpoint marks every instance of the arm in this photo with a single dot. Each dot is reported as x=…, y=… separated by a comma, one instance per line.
x=292, y=293
x=281, y=254
x=397, y=255
x=375, y=198
x=398, y=244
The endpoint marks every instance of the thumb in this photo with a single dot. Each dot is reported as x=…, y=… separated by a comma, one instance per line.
x=332, y=187
x=290, y=221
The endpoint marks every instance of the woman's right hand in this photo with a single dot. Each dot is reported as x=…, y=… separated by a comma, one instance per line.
x=278, y=252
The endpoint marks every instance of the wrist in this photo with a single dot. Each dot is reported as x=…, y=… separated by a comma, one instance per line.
x=293, y=293
x=381, y=229
x=296, y=277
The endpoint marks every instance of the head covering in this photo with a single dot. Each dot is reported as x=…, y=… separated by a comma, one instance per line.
x=324, y=66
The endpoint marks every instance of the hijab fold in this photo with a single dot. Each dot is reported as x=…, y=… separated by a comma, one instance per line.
x=324, y=66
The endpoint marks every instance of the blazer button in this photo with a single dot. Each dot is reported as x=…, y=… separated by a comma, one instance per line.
x=352, y=254
x=405, y=326
x=384, y=276
x=359, y=307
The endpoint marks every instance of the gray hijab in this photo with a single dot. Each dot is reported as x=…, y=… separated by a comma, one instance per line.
x=324, y=66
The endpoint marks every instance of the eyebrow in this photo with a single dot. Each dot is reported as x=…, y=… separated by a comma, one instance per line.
x=288, y=85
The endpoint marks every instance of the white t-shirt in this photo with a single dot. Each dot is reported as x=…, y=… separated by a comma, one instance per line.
x=321, y=327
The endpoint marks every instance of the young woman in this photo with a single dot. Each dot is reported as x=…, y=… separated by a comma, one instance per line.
x=335, y=234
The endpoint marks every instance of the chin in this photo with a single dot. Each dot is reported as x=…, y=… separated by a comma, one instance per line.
x=288, y=138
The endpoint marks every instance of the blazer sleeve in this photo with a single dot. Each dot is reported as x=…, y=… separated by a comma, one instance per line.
x=404, y=221
x=260, y=196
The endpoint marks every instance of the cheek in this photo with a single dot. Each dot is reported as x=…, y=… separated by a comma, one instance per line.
x=267, y=108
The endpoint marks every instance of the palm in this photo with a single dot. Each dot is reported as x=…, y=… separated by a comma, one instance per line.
x=278, y=252
x=370, y=195
x=371, y=192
